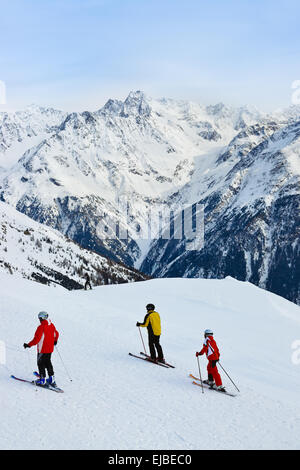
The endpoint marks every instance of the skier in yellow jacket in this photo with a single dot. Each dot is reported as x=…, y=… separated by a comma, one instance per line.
x=152, y=323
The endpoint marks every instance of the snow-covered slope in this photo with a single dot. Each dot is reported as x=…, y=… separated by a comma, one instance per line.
x=23, y=129
x=35, y=251
x=118, y=402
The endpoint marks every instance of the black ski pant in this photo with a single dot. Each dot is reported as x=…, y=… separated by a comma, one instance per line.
x=44, y=363
x=87, y=284
x=155, y=346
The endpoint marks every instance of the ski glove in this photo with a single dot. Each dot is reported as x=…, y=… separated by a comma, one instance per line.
x=213, y=363
x=55, y=343
x=25, y=345
x=138, y=324
x=198, y=354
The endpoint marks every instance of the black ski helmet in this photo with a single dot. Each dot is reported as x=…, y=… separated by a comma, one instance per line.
x=150, y=307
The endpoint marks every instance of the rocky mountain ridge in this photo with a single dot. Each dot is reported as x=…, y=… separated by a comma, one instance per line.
x=144, y=154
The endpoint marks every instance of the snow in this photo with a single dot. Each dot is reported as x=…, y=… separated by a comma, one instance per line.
x=292, y=156
x=12, y=155
x=26, y=247
x=118, y=402
x=144, y=150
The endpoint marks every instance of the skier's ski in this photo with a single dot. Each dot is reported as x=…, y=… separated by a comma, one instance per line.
x=32, y=382
x=166, y=363
x=196, y=378
x=208, y=386
x=214, y=389
x=57, y=389
x=149, y=360
x=22, y=380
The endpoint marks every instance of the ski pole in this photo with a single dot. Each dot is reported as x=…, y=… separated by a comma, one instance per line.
x=224, y=369
x=29, y=365
x=63, y=363
x=228, y=376
x=29, y=360
x=14, y=349
x=200, y=374
x=142, y=340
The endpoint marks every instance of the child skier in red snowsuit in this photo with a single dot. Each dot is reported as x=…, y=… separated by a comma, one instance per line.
x=212, y=352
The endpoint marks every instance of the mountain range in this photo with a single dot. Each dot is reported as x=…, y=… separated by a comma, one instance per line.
x=99, y=177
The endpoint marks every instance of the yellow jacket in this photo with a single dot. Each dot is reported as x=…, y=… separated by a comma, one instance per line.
x=152, y=320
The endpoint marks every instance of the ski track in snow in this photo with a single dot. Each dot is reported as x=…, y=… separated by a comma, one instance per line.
x=119, y=402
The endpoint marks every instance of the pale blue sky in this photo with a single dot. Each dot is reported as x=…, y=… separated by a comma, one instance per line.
x=76, y=54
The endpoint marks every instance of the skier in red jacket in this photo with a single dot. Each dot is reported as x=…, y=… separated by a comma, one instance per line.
x=45, y=338
x=212, y=352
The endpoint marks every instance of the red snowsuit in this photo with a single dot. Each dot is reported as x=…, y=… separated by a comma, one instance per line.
x=211, y=350
x=44, y=337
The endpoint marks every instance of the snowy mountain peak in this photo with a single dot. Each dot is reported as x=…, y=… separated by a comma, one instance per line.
x=76, y=120
x=136, y=104
x=135, y=97
x=216, y=109
x=112, y=107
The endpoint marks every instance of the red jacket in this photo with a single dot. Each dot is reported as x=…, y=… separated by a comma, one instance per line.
x=44, y=337
x=210, y=348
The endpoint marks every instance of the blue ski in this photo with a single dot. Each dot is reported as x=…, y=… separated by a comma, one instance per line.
x=32, y=382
